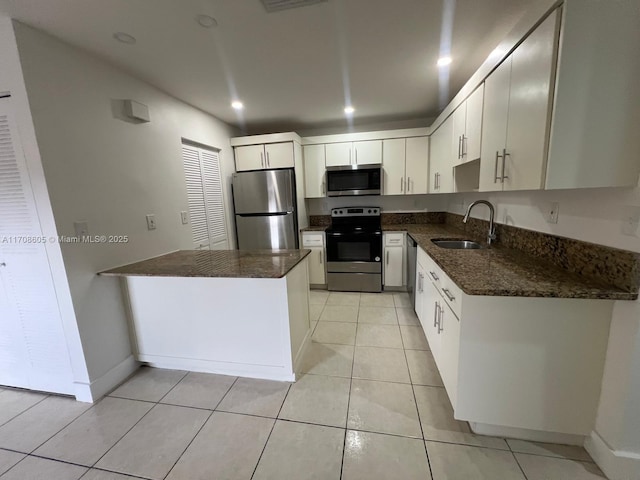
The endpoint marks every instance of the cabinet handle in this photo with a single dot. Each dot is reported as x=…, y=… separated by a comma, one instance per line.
x=434, y=276
x=435, y=185
x=323, y=188
x=350, y=157
x=464, y=145
x=448, y=294
x=409, y=187
x=402, y=184
x=268, y=160
x=321, y=257
x=420, y=283
x=504, y=162
x=459, y=147
x=440, y=318
x=495, y=173
x=262, y=159
x=435, y=315
x=387, y=257
x=356, y=161
x=438, y=175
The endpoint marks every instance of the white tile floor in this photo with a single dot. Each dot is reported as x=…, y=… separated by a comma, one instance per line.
x=370, y=405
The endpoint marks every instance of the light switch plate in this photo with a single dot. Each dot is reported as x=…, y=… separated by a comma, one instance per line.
x=184, y=217
x=151, y=221
x=81, y=229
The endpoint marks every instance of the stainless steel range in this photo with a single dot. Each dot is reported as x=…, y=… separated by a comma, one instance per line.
x=354, y=250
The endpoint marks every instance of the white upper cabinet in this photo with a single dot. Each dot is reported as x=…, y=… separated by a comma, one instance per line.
x=314, y=171
x=473, y=125
x=441, y=159
x=264, y=156
x=517, y=112
x=393, y=163
x=354, y=153
x=417, y=165
x=459, y=119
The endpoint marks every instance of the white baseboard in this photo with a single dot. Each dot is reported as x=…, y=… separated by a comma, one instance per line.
x=99, y=387
x=616, y=464
x=267, y=372
x=525, y=434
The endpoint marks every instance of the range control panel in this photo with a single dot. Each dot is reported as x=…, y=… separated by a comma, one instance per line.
x=355, y=212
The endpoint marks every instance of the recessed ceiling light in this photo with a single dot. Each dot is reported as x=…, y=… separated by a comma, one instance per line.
x=237, y=105
x=444, y=61
x=125, y=38
x=206, y=21
x=349, y=110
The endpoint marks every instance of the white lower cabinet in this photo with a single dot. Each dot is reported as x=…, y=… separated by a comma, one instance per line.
x=514, y=364
x=314, y=241
x=394, y=259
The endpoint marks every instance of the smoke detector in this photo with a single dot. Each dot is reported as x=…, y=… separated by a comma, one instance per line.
x=278, y=5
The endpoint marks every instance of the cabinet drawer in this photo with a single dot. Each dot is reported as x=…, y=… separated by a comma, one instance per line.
x=393, y=239
x=313, y=239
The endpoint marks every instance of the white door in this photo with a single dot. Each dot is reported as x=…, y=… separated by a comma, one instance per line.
x=279, y=155
x=33, y=347
x=369, y=152
x=417, y=165
x=205, y=198
x=250, y=157
x=393, y=164
x=393, y=257
x=459, y=132
x=338, y=154
x=532, y=74
x=494, y=126
x=314, y=171
x=473, y=136
x=316, y=266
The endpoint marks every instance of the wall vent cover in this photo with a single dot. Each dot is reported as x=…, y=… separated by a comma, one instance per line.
x=278, y=5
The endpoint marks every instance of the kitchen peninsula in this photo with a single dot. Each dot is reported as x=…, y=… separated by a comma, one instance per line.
x=230, y=312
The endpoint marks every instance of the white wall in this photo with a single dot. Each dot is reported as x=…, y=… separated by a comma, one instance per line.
x=12, y=82
x=111, y=173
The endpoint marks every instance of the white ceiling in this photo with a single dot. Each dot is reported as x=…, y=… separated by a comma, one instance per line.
x=295, y=69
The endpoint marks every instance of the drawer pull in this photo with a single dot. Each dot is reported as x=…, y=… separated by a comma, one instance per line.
x=435, y=315
x=448, y=294
x=434, y=276
x=440, y=318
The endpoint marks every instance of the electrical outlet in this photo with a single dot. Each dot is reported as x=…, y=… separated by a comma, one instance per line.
x=184, y=217
x=631, y=221
x=552, y=212
x=81, y=229
x=151, y=221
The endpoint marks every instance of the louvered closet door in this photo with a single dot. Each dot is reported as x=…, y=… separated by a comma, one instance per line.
x=205, y=197
x=33, y=349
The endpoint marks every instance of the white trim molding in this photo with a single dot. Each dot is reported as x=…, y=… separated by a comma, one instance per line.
x=616, y=464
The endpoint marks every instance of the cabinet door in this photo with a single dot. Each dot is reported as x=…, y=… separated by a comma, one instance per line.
x=368, y=152
x=393, y=257
x=249, y=157
x=473, y=136
x=432, y=303
x=459, y=131
x=494, y=126
x=314, y=170
x=393, y=164
x=446, y=355
x=419, y=300
x=279, y=155
x=417, y=165
x=338, y=154
x=532, y=74
x=316, y=266
x=441, y=158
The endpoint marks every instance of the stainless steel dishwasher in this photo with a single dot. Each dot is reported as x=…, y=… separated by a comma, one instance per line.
x=412, y=254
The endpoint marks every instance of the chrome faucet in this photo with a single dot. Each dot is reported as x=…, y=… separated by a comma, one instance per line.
x=492, y=230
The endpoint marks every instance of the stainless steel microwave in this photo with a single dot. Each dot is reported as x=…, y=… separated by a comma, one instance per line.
x=354, y=180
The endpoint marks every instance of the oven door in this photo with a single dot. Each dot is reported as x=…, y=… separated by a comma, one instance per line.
x=354, y=252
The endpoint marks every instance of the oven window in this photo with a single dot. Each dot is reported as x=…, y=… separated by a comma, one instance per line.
x=354, y=251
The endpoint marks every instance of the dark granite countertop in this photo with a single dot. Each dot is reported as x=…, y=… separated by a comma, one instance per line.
x=499, y=271
x=215, y=263
x=314, y=229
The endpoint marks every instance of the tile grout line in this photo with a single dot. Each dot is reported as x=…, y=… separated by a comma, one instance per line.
x=188, y=445
x=18, y=414
x=346, y=423
x=415, y=399
x=275, y=420
x=186, y=372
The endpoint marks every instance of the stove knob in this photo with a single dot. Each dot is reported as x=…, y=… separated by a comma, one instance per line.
x=369, y=211
x=377, y=259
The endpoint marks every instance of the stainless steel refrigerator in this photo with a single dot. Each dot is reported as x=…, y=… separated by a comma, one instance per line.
x=265, y=208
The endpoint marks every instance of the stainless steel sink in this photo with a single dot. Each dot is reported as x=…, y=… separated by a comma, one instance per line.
x=456, y=244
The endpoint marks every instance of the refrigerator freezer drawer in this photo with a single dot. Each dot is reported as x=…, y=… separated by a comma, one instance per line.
x=266, y=232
